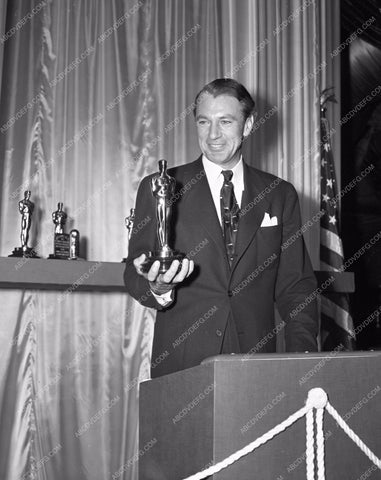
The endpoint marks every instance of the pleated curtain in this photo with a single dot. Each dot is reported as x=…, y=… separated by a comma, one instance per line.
x=93, y=94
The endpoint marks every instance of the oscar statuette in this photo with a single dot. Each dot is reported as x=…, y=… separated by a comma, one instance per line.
x=61, y=239
x=162, y=187
x=26, y=207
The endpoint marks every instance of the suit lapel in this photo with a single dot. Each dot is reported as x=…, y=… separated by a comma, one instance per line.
x=199, y=203
x=253, y=209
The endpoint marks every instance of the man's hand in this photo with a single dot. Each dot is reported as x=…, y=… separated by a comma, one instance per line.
x=164, y=282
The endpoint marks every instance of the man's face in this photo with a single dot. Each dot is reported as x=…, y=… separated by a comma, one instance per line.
x=221, y=128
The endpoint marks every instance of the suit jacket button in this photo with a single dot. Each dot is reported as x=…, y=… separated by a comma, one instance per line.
x=218, y=333
x=230, y=293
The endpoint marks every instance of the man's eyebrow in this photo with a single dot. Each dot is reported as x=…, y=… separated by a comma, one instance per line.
x=225, y=115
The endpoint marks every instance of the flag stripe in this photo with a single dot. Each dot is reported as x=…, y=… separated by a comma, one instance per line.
x=341, y=315
x=328, y=268
x=338, y=299
x=331, y=240
x=333, y=336
x=331, y=257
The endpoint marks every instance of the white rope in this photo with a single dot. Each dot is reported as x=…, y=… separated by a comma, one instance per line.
x=310, y=450
x=352, y=435
x=320, y=444
x=317, y=399
x=251, y=446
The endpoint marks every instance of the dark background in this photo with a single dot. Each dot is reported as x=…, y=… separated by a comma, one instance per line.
x=361, y=147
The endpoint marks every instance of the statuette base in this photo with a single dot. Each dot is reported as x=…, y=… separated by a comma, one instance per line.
x=24, y=252
x=165, y=258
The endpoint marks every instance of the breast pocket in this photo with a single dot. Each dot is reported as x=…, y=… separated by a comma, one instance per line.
x=268, y=241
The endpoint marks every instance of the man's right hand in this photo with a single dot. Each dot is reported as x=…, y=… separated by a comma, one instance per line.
x=164, y=282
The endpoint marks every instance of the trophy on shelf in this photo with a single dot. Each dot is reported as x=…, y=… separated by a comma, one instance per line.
x=74, y=245
x=66, y=245
x=129, y=222
x=26, y=207
x=59, y=219
x=61, y=239
x=162, y=187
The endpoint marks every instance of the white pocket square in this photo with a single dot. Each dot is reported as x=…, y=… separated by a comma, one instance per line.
x=269, y=222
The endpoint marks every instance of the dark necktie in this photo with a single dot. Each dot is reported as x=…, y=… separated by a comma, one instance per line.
x=229, y=214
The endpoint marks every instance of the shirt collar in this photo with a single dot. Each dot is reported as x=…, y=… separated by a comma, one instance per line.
x=216, y=179
x=213, y=171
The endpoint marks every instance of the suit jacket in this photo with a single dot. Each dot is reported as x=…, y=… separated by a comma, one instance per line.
x=272, y=265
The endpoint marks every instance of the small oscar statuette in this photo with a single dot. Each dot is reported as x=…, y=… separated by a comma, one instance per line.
x=162, y=187
x=66, y=245
x=26, y=207
x=61, y=239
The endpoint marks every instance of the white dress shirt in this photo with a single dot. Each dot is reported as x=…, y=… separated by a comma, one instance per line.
x=216, y=180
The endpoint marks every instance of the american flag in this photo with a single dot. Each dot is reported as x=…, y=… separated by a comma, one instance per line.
x=336, y=321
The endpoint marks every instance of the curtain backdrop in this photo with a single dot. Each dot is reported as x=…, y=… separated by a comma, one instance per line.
x=3, y=9
x=93, y=94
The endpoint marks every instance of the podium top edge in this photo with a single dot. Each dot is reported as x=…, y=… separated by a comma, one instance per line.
x=234, y=357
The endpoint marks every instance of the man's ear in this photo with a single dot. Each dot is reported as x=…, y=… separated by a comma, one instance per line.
x=249, y=123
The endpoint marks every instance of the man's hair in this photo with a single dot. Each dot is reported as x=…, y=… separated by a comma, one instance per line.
x=228, y=86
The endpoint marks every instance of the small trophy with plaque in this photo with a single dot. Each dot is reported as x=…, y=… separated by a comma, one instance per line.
x=61, y=239
x=26, y=207
x=162, y=187
x=66, y=245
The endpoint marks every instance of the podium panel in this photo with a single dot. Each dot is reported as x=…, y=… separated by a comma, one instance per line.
x=195, y=418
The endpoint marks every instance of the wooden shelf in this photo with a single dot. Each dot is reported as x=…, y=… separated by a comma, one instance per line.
x=80, y=275
x=36, y=273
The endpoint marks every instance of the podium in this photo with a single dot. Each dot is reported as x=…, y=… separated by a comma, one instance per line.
x=192, y=419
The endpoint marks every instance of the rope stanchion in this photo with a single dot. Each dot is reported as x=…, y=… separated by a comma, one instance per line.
x=310, y=450
x=320, y=444
x=317, y=399
x=352, y=435
x=250, y=447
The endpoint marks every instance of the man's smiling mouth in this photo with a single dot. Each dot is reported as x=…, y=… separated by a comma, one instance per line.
x=216, y=146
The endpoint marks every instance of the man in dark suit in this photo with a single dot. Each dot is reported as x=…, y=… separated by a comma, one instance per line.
x=241, y=230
